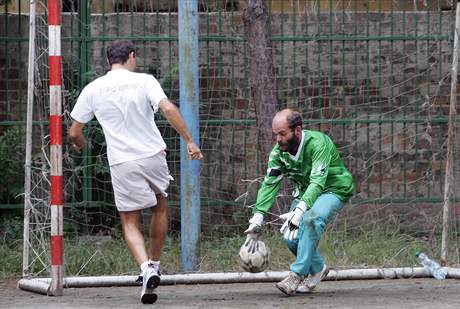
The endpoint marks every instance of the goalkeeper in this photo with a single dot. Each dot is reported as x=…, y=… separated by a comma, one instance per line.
x=322, y=186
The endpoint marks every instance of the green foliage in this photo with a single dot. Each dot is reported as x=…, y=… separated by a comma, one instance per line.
x=11, y=232
x=168, y=80
x=109, y=256
x=11, y=265
x=11, y=229
x=11, y=165
x=106, y=255
x=222, y=254
x=376, y=248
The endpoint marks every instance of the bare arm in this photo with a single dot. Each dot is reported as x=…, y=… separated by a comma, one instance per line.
x=173, y=115
x=76, y=135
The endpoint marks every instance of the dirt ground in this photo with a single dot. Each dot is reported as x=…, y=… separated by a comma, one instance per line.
x=390, y=293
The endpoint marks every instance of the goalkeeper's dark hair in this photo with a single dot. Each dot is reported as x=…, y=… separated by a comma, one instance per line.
x=118, y=51
x=294, y=120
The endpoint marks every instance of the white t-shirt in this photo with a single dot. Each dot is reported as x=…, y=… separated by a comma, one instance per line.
x=124, y=103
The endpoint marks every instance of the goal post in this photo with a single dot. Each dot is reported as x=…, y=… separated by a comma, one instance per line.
x=376, y=82
x=55, y=287
x=55, y=99
x=449, y=171
x=28, y=154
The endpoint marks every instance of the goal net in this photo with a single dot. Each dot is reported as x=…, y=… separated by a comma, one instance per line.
x=376, y=79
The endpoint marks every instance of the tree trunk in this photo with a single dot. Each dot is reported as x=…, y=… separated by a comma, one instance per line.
x=262, y=84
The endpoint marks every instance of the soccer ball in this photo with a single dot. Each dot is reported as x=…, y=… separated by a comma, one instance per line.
x=254, y=255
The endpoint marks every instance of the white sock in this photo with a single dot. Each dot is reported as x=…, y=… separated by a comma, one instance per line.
x=144, y=265
x=156, y=264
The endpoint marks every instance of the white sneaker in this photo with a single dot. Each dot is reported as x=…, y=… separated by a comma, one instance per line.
x=312, y=281
x=289, y=284
x=150, y=280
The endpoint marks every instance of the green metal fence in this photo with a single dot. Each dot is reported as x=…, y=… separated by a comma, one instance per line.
x=376, y=80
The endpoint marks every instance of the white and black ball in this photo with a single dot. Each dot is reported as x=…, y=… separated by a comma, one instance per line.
x=254, y=255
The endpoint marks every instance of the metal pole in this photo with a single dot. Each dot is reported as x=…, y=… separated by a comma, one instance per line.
x=39, y=285
x=55, y=84
x=189, y=106
x=84, y=14
x=449, y=178
x=28, y=158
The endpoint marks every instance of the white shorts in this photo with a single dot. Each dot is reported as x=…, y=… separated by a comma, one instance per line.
x=136, y=183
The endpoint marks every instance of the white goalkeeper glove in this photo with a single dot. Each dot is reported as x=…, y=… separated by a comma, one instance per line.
x=290, y=227
x=251, y=242
x=255, y=224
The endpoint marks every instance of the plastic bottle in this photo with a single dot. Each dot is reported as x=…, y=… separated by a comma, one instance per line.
x=432, y=266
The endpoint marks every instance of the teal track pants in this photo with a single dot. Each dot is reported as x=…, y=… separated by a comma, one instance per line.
x=305, y=246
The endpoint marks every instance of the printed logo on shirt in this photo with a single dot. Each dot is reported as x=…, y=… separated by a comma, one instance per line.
x=296, y=192
x=119, y=88
x=318, y=170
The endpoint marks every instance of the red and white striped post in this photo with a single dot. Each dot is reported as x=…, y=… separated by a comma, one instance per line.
x=55, y=63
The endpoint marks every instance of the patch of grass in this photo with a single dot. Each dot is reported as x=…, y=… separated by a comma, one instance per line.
x=222, y=254
x=110, y=256
x=11, y=261
x=376, y=249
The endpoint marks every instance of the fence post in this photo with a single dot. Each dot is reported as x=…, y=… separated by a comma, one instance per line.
x=190, y=108
x=449, y=182
x=84, y=14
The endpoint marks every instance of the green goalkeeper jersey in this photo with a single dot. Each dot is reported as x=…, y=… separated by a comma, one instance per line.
x=315, y=169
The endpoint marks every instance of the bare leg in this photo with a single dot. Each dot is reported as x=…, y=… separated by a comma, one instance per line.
x=132, y=232
x=159, y=227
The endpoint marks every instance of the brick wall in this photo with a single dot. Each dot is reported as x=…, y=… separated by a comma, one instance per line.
x=338, y=80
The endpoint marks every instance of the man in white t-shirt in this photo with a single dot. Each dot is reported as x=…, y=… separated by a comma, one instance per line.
x=124, y=103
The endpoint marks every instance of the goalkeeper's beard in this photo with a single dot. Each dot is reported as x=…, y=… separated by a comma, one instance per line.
x=291, y=145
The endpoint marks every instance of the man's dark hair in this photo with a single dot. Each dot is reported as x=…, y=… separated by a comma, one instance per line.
x=118, y=51
x=294, y=120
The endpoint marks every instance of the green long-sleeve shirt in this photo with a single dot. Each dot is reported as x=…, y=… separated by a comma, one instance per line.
x=315, y=169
